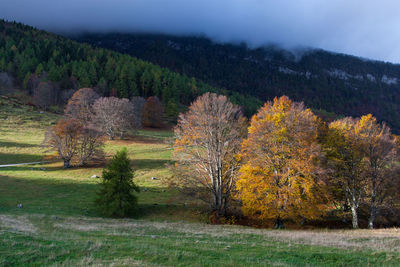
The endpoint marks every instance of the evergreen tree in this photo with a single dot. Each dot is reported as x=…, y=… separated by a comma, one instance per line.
x=116, y=197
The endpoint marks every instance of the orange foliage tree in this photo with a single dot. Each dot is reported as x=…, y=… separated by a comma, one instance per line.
x=280, y=178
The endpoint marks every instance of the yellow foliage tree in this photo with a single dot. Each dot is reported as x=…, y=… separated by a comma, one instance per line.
x=280, y=178
x=380, y=153
x=363, y=157
x=344, y=150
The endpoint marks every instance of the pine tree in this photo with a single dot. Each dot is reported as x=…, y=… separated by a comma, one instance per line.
x=116, y=197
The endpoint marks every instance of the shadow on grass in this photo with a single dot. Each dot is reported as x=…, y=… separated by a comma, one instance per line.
x=33, y=167
x=15, y=144
x=63, y=197
x=149, y=163
x=9, y=158
x=46, y=196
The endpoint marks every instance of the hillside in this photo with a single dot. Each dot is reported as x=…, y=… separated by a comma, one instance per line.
x=337, y=83
x=51, y=67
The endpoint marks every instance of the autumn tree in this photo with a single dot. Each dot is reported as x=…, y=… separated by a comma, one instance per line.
x=153, y=113
x=280, y=178
x=64, y=139
x=344, y=150
x=380, y=152
x=208, y=136
x=80, y=105
x=112, y=115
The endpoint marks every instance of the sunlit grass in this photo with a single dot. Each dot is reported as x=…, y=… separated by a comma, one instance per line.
x=58, y=223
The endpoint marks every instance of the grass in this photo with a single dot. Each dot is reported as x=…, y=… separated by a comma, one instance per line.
x=58, y=225
x=83, y=241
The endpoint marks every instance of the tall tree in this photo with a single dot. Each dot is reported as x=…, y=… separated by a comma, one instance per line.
x=208, y=136
x=280, y=178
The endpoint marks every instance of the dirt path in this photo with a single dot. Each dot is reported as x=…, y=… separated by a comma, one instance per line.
x=20, y=164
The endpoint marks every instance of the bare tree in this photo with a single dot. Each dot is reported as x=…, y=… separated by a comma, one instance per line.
x=80, y=104
x=90, y=147
x=64, y=139
x=113, y=116
x=208, y=137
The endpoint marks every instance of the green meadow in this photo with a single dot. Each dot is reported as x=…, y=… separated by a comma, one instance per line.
x=58, y=224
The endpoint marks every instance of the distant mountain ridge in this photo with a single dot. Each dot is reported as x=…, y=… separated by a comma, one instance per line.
x=334, y=82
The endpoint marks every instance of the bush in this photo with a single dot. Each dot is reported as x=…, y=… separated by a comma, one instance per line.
x=116, y=197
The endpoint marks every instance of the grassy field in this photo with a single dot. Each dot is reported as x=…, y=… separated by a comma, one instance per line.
x=58, y=225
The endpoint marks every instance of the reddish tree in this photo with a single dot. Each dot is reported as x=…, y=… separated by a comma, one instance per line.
x=153, y=113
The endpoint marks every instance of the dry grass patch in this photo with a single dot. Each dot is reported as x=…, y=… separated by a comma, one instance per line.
x=378, y=240
x=17, y=224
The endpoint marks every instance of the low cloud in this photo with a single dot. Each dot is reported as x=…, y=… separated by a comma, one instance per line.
x=368, y=28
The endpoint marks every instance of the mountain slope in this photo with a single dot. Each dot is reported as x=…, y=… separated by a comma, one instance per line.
x=334, y=82
x=50, y=67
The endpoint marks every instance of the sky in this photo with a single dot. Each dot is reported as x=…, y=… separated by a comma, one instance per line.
x=368, y=28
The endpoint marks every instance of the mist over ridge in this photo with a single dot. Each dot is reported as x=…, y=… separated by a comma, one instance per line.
x=368, y=29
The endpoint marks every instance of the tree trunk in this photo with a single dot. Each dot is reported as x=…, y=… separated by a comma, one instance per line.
x=355, y=216
x=372, y=216
x=67, y=164
x=218, y=204
x=279, y=224
x=373, y=205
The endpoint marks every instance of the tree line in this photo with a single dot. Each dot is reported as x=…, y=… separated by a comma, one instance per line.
x=286, y=164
